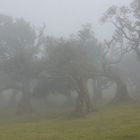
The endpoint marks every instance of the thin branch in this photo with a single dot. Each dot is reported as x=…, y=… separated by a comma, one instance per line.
x=121, y=29
x=40, y=35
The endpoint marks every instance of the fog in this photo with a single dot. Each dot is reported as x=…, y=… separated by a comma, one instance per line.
x=63, y=17
x=65, y=60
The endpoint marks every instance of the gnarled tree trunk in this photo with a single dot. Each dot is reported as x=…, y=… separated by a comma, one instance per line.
x=121, y=91
x=83, y=105
x=24, y=105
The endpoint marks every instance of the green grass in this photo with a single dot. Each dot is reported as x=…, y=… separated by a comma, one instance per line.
x=112, y=123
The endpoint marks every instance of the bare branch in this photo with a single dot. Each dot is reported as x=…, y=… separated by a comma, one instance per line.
x=121, y=29
x=40, y=36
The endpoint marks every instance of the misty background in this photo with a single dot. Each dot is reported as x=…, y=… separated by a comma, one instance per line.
x=69, y=69
x=63, y=17
x=79, y=54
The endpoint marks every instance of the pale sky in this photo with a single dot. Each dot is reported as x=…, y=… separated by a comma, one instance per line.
x=62, y=17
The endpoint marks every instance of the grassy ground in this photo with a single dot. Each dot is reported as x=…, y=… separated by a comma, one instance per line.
x=114, y=123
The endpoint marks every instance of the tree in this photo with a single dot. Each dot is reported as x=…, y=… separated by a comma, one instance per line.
x=94, y=52
x=126, y=38
x=126, y=21
x=110, y=58
x=18, y=56
x=69, y=60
